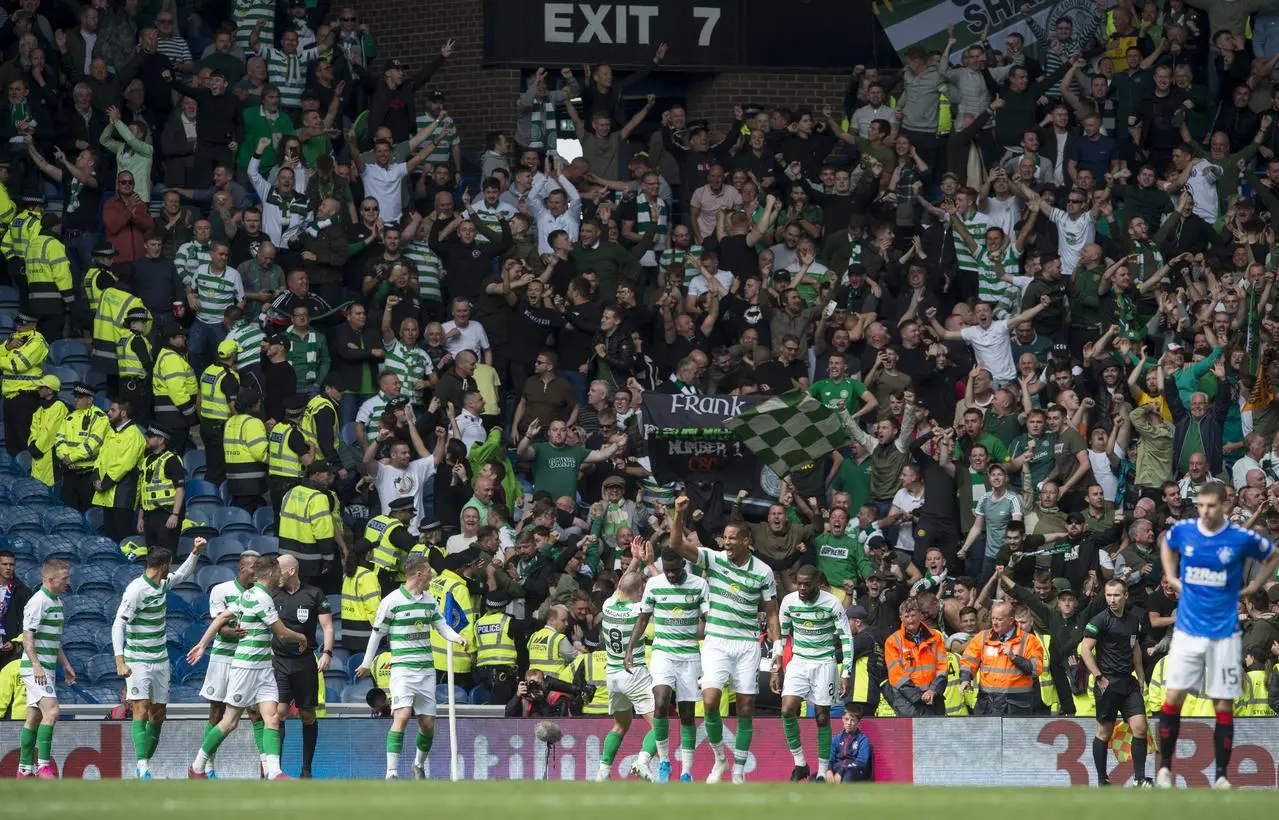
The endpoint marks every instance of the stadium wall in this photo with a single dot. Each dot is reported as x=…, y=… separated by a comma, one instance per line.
x=939, y=752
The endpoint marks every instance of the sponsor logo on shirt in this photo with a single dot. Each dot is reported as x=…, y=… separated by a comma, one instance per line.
x=1203, y=576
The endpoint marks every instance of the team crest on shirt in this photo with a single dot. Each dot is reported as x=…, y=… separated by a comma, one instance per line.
x=404, y=485
x=1189, y=551
x=1224, y=554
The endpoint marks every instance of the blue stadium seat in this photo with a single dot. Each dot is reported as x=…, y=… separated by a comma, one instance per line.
x=101, y=551
x=209, y=577
x=193, y=633
x=353, y=663
x=93, y=520
x=200, y=607
x=62, y=521
x=225, y=489
x=233, y=520
x=79, y=662
x=121, y=576
x=21, y=547
x=57, y=546
x=479, y=695
x=29, y=573
x=85, y=610
x=29, y=492
x=265, y=545
x=356, y=691
x=347, y=433
x=84, y=639
x=202, y=520
x=224, y=550
x=6, y=325
x=68, y=351
x=264, y=520
x=105, y=695
x=187, y=692
x=92, y=579
x=23, y=521
x=194, y=464
x=101, y=401
x=9, y=302
x=202, y=492
x=67, y=374
x=340, y=657
x=442, y=694
x=334, y=686
x=21, y=464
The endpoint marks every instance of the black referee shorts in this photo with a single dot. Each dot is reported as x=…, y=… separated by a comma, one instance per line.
x=298, y=684
x=1122, y=697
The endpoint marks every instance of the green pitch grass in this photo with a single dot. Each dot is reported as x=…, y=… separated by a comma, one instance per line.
x=331, y=800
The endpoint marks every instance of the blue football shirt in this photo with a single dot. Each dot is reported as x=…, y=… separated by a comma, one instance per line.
x=1212, y=575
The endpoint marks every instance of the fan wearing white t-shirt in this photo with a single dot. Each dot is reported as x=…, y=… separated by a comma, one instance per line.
x=1076, y=227
x=382, y=179
x=399, y=475
x=990, y=340
x=1199, y=176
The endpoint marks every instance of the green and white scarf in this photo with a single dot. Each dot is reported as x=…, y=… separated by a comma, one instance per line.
x=644, y=218
x=544, y=125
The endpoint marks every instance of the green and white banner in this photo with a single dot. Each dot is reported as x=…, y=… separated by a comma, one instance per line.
x=924, y=22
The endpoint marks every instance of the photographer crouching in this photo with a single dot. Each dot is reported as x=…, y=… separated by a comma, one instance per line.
x=540, y=696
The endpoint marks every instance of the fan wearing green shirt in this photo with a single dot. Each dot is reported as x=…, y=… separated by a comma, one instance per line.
x=829, y=391
x=555, y=463
x=839, y=553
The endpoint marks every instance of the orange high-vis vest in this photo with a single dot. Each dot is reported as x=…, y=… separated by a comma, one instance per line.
x=923, y=662
x=987, y=656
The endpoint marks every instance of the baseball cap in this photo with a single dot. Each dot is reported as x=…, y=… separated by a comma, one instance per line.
x=1171, y=346
x=388, y=65
x=317, y=467
x=1076, y=518
x=436, y=95
x=949, y=175
x=614, y=481
x=1063, y=586
x=228, y=347
x=856, y=612
x=50, y=381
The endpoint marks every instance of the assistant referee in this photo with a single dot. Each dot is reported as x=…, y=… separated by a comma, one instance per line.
x=1116, y=667
x=297, y=674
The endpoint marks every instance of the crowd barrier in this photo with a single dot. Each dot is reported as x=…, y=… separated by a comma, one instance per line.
x=926, y=751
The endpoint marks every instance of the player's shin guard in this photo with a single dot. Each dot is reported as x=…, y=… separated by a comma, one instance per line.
x=44, y=745
x=1139, y=745
x=424, y=741
x=394, y=745
x=153, y=738
x=715, y=732
x=258, y=728
x=1223, y=740
x=823, y=748
x=1100, y=751
x=212, y=740
x=1169, y=729
x=139, y=734
x=310, y=737
x=742, y=744
x=271, y=748
x=662, y=734
x=687, y=745
x=790, y=725
x=27, y=749
x=612, y=742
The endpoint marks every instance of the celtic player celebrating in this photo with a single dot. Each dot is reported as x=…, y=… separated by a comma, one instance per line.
x=630, y=688
x=41, y=656
x=676, y=601
x=815, y=618
x=740, y=584
x=222, y=597
x=138, y=638
x=252, y=680
x=407, y=616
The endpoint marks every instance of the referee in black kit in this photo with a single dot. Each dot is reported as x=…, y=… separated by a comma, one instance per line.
x=297, y=674
x=1116, y=667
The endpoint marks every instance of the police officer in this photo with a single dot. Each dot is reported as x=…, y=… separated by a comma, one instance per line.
x=389, y=540
x=50, y=289
x=77, y=446
x=162, y=492
x=174, y=385
x=96, y=280
x=218, y=383
x=115, y=473
x=22, y=229
x=549, y=649
x=109, y=324
x=320, y=419
x=496, y=659
x=361, y=596
x=245, y=451
x=135, y=359
x=21, y=366
x=287, y=451
x=297, y=674
x=453, y=595
x=45, y=422
x=306, y=525
x=591, y=667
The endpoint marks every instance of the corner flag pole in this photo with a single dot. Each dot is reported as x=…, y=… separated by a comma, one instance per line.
x=454, y=774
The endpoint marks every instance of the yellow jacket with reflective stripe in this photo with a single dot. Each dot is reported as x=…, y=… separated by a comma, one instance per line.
x=544, y=651
x=386, y=558
x=1192, y=706
x=306, y=516
x=13, y=692
x=1253, y=701
x=109, y=326
x=92, y=287
x=80, y=437
x=45, y=423
x=128, y=364
x=1047, y=690
x=244, y=440
x=21, y=362
x=593, y=668
x=157, y=491
x=956, y=705
x=441, y=586
x=281, y=460
x=494, y=644
x=361, y=596
x=174, y=380
x=309, y=421
x=214, y=405
x=48, y=276
x=22, y=228
x=121, y=454
x=8, y=211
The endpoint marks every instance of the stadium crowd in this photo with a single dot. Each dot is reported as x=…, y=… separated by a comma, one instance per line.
x=1036, y=283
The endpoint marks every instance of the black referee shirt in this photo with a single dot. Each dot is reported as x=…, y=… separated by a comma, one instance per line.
x=300, y=611
x=1115, y=636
